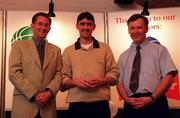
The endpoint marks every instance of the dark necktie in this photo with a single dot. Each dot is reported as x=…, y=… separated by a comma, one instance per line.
x=134, y=80
x=41, y=50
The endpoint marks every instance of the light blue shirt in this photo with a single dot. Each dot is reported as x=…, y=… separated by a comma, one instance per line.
x=156, y=63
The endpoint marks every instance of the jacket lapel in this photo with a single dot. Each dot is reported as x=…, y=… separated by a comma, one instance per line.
x=48, y=55
x=33, y=52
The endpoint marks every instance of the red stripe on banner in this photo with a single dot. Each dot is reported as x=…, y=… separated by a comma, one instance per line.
x=173, y=91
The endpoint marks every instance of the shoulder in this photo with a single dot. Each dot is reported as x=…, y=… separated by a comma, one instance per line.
x=104, y=46
x=126, y=52
x=156, y=47
x=124, y=55
x=21, y=43
x=69, y=48
x=53, y=46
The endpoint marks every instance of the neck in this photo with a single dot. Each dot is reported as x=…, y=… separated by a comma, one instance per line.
x=86, y=40
x=39, y=39
x=139, y=42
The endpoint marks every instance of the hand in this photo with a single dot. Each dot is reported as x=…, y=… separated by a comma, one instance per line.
x=95, y=82
x=43, y=97
x=89, y=83
x=139, y=103
x=144, y=101
x=82, y=83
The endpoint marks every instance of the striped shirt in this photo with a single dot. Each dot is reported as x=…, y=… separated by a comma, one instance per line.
x=40, y=45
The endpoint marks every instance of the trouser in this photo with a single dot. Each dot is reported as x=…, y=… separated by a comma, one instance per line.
x=158, y=109
x=99, y=109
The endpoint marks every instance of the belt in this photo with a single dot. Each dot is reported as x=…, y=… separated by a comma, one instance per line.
x=141, y=95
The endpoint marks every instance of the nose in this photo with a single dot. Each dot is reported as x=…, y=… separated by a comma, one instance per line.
x=135, y=31
x=86, y=26
x=44, y=26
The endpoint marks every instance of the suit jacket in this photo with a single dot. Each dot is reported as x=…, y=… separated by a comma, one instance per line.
x=28, y=77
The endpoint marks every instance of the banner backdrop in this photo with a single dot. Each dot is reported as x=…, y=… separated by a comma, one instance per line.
x=163, y=27
x=63, y=33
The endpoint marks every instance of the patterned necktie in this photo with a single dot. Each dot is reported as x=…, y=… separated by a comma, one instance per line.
x=41, y=50
x=134, y=80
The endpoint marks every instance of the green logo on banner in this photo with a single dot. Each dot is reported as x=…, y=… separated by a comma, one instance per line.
x=24, y=33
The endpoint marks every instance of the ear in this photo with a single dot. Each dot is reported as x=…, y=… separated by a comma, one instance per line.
x=32, y=25
x=77, y=27
x=147, y=29
x=128, y=30
x=94, y=27
x=49, y=29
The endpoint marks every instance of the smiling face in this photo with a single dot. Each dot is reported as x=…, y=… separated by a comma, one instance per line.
x=137, y=30
x=85, y=27
x=40, y=27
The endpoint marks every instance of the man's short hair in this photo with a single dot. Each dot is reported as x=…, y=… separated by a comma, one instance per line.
x=137, y=16
x=34, y=18
x=86, y=15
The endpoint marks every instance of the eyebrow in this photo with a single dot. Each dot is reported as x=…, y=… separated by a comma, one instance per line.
x=89, y=23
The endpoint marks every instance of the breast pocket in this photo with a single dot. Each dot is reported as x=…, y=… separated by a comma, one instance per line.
x=148, y=66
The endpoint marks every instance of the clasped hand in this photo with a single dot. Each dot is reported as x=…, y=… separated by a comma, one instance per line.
x=139, y=103
x=43, y=97
x=89, y=83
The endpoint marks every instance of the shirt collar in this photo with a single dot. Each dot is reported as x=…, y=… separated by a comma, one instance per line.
x=78, y=45
x=133, y=45
x=37, y=42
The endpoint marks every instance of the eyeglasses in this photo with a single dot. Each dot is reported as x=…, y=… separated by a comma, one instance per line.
x=40, y=24
x=86, y=23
